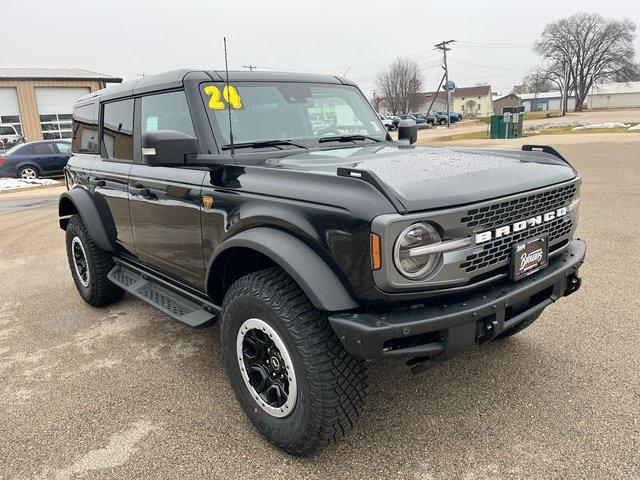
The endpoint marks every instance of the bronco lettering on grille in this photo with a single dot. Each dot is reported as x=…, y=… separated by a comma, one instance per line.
x=520, y=226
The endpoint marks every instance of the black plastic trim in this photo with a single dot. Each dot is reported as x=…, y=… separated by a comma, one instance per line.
x=103, y=235
x=364, y=334
x=311, y=273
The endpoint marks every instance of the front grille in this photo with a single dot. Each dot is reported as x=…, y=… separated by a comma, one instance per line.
x=504, y=213
x=498, y=250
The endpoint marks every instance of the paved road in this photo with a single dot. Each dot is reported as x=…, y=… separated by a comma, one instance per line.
x=126, y=392
x=14, y=204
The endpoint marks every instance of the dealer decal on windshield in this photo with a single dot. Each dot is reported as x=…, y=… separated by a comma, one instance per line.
x=217, y=100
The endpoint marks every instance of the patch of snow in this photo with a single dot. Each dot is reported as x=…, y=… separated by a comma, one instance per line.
x=17, y=183
x=602, y=125
x=635, y=127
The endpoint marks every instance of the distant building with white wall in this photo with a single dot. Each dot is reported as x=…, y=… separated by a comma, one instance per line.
x=601, y=96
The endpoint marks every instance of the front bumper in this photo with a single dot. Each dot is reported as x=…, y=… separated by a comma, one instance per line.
x=437, y=332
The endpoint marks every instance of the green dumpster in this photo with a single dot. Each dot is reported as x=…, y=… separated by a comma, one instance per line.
x=497, y=127
x=507, y=125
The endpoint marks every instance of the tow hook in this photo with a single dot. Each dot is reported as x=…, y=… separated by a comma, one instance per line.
x=487, y=329
x=573, y=284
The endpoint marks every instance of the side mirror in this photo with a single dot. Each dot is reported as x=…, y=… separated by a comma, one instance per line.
x=407, y=132
x=167, y=148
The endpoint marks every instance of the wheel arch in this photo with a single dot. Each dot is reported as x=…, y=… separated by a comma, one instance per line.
x=100, y=226
x=28, y=164
x=263, y=247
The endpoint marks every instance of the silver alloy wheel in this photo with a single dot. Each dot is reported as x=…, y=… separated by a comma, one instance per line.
x=28, y=173
x=80, y=261
x=266, y=368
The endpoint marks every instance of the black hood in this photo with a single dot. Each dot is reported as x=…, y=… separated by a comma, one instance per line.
x=423, y=178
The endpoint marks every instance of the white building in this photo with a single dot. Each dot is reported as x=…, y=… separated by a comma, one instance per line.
x=605, y=95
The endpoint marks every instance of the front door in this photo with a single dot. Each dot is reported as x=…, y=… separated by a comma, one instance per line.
x=64, y=152
x=165, y=202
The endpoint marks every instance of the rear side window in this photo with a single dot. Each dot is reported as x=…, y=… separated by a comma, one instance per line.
x=40, y=149
x=63, y=147
x=166, y=111
x=7, y=131
x=85, y=129
x=117, y=130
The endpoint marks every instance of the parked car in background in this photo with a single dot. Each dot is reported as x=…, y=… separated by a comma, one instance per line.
x=35, y=159
x=418, y=120
x=395, y=119
x=9, y=136
x=388, y=123
x=440, y=117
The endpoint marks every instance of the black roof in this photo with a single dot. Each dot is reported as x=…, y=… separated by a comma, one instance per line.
x=174, y=79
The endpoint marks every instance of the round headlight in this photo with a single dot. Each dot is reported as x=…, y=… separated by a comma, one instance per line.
x=416, y=235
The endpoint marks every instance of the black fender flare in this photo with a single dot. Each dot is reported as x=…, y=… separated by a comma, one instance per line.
x=100, y=226
x=318, y=281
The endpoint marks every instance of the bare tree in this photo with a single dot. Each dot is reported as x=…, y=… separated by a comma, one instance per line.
x=587, y=48
x=537, y=82
x=630, y=74
x=400, y=85
x=376, y=102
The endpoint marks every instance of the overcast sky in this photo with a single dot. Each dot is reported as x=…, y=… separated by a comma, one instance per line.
x=130, y=37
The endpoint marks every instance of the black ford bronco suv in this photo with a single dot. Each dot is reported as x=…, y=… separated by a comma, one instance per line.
x=279, y=205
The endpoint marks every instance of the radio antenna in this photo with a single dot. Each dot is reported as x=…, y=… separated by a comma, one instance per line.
x=226, y=69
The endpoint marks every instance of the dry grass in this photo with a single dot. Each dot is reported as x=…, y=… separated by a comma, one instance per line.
x=481, y=135
x=569, y=130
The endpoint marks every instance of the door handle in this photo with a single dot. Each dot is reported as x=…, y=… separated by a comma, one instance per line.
x=140, y=190
x=96, y=183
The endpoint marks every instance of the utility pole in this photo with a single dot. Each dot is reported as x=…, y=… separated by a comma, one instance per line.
x=250, y=67
x=443, y=46
x=565, y=89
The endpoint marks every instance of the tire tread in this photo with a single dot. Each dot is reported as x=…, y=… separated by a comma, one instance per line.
x=338, y=381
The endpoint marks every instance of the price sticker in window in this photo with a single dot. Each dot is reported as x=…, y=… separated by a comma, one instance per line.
x=217, y=99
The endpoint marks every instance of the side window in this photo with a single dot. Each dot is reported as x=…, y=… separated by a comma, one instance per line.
x=117, y=130
x=40, y=149
x=63, y=147
x=85, y=129
x=166, y=111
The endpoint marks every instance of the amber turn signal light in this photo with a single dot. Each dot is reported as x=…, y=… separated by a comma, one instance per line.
x=376, y=257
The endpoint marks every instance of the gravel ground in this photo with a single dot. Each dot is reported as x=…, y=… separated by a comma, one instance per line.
x=126, y=392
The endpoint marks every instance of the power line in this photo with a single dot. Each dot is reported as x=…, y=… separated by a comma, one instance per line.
x=483, y=66
x=493, y=45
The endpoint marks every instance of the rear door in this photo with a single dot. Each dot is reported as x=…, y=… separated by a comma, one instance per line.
x=44, y=156
x=110, y=172
x=165, y=201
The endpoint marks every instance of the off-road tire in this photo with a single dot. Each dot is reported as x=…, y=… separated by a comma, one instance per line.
x=100, y=291
x=518, y=328
x=332, y=384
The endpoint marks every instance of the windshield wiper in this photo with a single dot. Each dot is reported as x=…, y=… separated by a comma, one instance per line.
x=347, y=138
x=263, y=144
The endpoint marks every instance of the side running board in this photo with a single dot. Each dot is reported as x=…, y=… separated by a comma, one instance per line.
x=182, y=306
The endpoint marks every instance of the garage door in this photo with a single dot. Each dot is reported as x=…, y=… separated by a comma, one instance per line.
x=55, y=106
x=10, y=108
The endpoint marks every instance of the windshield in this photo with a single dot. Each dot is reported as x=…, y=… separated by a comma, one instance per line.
x=303, y=112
